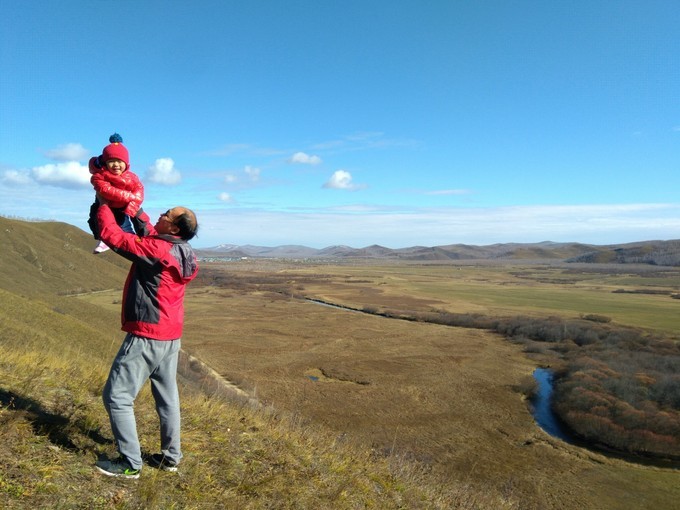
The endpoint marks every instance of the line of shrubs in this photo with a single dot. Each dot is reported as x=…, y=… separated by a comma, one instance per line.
x=617, y=386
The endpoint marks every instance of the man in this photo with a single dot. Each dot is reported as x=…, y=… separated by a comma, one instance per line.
x=163, y=263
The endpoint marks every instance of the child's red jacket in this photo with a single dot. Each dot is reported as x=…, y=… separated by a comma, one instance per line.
x=124, y=191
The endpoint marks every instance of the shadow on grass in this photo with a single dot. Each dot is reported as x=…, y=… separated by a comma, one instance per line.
x=58, y=429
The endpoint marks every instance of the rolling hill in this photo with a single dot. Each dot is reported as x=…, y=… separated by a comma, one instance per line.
x=645, y=252
x=54, y=257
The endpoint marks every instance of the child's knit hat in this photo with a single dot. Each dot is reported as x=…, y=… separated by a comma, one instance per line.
x=116, y=150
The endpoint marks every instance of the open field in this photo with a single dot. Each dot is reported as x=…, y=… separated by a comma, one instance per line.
x=449, y=398
x=507, y=289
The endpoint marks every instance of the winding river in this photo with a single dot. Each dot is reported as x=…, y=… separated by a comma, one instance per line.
x=541, y=406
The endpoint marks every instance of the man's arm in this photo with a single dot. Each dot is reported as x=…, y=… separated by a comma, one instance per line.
x=142, y=224
x=130, y=246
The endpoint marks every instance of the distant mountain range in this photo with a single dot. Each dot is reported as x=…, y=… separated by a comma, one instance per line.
x=666, y=253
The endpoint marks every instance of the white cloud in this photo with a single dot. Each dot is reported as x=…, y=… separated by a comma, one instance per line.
x=342, y=179
x=229, y=149
x=305, y=159
x=62, y=175
x=67, y=173
x=16, y=178
x=68, y=152
x=247, y=178
x=252, y=172
x=163, y=171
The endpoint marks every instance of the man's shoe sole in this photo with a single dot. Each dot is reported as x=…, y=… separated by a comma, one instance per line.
x=133, y=476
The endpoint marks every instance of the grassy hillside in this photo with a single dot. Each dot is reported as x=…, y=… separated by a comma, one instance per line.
x=651, y=252
x=52, y=257
x=55, y=352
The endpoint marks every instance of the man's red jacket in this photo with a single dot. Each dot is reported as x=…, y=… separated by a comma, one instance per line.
x=162, y=265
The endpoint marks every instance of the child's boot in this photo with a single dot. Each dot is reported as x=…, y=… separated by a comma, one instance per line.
x=100, y=248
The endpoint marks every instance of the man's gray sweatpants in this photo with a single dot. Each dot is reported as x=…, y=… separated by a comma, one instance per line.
x=137, y=360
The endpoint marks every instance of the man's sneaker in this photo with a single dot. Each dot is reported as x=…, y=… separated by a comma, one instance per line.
x=118, y=468
x=101, y=247
x=160, y=461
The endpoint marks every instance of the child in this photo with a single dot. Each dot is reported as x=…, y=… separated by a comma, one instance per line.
x=113, y=181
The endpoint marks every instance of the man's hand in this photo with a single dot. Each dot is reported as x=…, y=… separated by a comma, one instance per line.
x=96, y=163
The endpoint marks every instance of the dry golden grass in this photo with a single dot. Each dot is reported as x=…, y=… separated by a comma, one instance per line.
x=53, y=427
x=55, y=352
x=449, y=398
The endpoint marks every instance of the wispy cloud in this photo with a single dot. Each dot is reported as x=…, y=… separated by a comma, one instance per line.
x=305, y=159
x=447, y=192
x=229, y=149
x=15, y=178
x=342, y=179
x=244, y=178
x=363, y=141
x=252, y=173
x=362, y=226
x=245, y=149
x=163, y=172
x=68, y=152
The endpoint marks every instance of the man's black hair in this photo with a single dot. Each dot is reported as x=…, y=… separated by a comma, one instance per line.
x=187, y=225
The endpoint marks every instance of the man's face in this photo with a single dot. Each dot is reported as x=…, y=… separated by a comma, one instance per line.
x=116, y=166
x=166, y=221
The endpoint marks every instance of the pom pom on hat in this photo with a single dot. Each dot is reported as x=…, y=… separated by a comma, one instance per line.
x=116, y=150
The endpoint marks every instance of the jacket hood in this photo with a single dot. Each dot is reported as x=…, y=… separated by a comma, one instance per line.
x=186, y=259
x=182, y=257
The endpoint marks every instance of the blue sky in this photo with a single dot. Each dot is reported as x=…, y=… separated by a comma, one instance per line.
x=356, y=122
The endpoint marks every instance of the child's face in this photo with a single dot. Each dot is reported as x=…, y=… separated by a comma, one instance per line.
x=116, y=166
